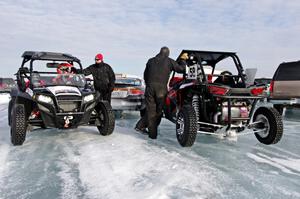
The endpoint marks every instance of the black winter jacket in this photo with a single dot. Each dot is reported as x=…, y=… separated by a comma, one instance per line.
x=103, y=74
x=158, y=69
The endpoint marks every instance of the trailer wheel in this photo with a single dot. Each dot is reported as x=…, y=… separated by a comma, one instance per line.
x=186, y=126
x=18, y=124
x=271, y=126
x=106, y=118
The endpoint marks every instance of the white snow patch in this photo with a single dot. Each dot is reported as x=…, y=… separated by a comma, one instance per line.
x=4, y=98
x=136, y=168
x=284, y=165
x=4, y=149
x=69, y=188
x=4, y=146
x=290, y=163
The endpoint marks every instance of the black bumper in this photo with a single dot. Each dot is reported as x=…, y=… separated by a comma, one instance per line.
x=52, y=118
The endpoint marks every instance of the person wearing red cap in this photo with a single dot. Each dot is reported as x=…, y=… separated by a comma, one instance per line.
x=64, y=68
x=104, y=77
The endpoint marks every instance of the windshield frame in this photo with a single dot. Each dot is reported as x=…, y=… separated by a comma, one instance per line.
x=25, y=60
x=57, y=80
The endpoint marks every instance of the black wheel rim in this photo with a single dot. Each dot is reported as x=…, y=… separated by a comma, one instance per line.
x=101, y=118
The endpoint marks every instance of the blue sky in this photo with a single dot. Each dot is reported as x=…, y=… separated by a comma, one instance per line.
x=264, y=33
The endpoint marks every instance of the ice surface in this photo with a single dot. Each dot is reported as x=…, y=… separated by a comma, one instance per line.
x=4, y=98
x=82, y=164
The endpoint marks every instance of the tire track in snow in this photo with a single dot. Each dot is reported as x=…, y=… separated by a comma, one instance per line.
x=69, y=173
x=127, y=165
x=289, y=166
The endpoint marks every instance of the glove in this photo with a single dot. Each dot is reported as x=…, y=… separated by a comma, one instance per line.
x=184, y=56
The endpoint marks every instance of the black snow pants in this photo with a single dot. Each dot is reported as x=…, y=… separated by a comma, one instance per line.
x=105, y=95
x=155, y=96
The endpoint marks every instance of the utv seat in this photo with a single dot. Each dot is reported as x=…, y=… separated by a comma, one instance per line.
x=226, y=78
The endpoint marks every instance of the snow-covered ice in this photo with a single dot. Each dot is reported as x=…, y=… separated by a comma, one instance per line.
x=82, y=164
x=4, y=98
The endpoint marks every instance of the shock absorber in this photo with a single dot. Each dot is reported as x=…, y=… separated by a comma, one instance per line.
x=195, y=104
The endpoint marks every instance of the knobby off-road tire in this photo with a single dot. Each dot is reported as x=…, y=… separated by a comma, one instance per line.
x=279, y=108
x=272, y=122
x=10, y=104
x=106, y=117
x=18, y=124
x=186, y=126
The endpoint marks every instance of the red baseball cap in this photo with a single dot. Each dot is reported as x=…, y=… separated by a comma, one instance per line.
x=99, y=56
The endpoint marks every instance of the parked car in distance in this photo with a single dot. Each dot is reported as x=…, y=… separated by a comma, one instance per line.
x=284, y=87
x=128, y=93
x=264, y=81
x=6, y=84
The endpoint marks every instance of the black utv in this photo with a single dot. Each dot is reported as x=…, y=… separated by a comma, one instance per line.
x=52, y=92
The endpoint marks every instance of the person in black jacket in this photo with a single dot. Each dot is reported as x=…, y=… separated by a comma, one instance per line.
x=104, y=77
x=156, y=76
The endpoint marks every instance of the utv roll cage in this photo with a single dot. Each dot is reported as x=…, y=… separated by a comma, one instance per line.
x=212, y=58
x=47, y=56
x=43, y=56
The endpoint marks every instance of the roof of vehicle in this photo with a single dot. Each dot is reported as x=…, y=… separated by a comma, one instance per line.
x=211, y=57
x=288, y=71
x=6, y=78
x=38, y=55
x=122, y=75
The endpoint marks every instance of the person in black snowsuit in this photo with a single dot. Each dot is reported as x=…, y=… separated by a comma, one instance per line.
x=104, y=77
x=156, y=76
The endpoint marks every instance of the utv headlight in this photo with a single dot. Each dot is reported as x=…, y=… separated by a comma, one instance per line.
x=88, y=98
x=45, y=99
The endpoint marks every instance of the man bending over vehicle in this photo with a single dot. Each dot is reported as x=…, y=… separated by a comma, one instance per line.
x=156, y=76
x=104, y=77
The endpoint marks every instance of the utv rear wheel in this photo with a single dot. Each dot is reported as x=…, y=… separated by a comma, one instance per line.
x=270, y=127
x=186, y=126
x=279, y=108
x=106, y=118
x=18, y=124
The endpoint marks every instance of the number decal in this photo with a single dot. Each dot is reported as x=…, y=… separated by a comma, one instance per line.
x=192, y=72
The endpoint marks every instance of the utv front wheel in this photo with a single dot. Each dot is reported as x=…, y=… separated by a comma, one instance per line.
x=10, y=105
x=270, y=126
x=106, y=118
x=186, y=126
x=18, y=124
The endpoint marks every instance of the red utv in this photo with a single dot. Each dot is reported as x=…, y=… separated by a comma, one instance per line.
x=220, y=102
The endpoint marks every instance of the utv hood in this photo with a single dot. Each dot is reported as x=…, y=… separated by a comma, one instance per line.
x=64, y=90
